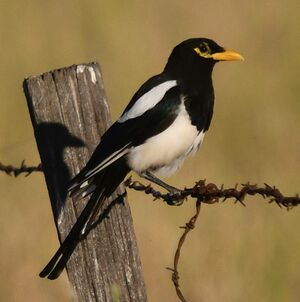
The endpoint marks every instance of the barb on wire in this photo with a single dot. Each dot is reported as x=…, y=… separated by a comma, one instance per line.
x=210, y=193
x=16, y=171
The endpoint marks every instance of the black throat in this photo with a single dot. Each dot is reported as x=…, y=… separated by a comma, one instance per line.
x=195, y=80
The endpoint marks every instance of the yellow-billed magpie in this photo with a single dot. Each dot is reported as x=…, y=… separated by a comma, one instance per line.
x=164, y=122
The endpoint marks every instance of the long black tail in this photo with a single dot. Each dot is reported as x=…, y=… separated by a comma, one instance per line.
x=104, y=184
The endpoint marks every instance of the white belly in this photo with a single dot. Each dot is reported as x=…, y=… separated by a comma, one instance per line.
x=164, y=153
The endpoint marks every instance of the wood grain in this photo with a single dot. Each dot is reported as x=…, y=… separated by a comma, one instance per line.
x=69, y=113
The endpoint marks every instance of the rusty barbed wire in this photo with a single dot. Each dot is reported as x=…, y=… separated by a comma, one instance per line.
x=210, y=193
x=189, y=226
x=207, y=193
x=16, y=171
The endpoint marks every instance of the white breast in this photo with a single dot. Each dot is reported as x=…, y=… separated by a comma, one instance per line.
x=165, y=152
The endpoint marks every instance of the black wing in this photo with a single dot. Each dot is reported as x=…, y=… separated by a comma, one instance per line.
x=121, y=136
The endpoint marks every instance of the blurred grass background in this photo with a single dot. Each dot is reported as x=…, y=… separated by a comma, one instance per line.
x=235, y=253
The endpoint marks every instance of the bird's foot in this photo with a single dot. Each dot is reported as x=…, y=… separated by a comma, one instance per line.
x=175, y=197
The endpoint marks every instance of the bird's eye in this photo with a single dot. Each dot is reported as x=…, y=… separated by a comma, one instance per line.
x=203, y=50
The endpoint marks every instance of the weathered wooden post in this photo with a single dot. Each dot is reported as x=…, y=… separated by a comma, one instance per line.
x=69, y=109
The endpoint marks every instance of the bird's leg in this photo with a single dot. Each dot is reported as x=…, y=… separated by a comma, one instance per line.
x=149, y=176
x=174, y=191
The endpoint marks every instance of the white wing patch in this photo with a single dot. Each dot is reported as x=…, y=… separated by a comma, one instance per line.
x=147, y=101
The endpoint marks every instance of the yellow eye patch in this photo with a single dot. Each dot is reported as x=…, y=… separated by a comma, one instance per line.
x=203, y=50
x=197, y=50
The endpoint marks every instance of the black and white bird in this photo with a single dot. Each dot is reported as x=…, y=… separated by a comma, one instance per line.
x=162, y=125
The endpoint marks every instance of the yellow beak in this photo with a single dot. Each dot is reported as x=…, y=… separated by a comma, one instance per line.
x=227, y=55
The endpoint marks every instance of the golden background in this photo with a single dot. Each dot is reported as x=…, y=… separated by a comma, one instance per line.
x=235, y=253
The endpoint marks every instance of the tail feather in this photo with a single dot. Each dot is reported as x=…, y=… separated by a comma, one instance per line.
x=101, y=187
x=80, y=191
x=55, y=266
x=79, y=181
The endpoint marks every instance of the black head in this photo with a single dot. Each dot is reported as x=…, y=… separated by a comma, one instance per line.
x=197, y=57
